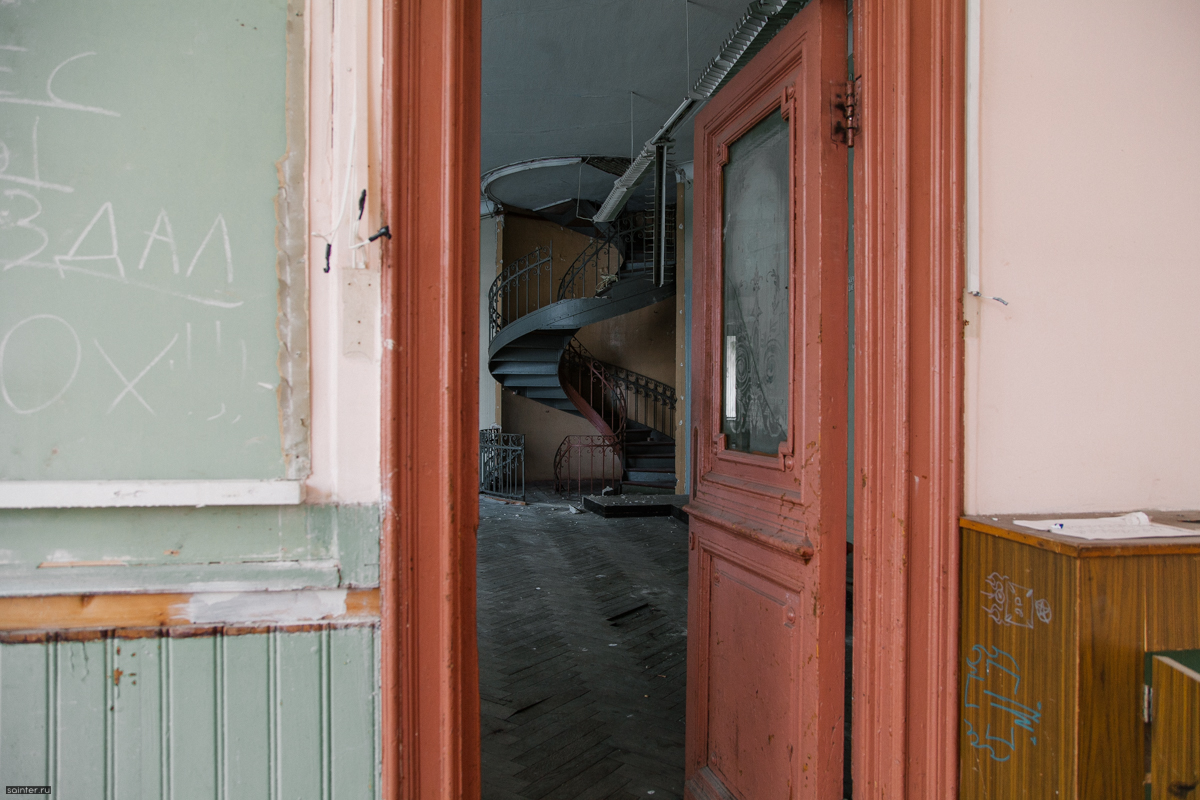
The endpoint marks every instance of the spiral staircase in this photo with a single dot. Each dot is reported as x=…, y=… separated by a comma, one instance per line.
x=533, y=352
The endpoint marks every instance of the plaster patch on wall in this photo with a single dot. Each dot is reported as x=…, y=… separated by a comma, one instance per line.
x=360, y=312
x=275, y=607
x=291, y=264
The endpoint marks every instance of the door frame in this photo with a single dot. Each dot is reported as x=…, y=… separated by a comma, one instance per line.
x=910, y=226
x=909, y=213
x=429, y=674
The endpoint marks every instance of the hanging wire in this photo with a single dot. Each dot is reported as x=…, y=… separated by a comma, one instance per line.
x=687, y=28
x=579, y=191
x=331, y=237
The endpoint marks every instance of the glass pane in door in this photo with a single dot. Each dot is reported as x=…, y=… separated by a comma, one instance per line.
x=754, y=264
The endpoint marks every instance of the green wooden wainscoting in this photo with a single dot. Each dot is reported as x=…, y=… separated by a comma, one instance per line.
x=189, y=549
x=264, y=715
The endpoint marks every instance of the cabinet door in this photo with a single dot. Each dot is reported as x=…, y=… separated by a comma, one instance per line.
x=1175, y=747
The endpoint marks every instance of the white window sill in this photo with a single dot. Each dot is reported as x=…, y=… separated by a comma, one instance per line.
x=149, y=494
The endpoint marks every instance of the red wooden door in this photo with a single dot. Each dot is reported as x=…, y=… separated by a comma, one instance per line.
x=766, y=605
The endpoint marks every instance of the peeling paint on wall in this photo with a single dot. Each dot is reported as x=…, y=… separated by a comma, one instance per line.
x=278, y=607
x=291, y=263
x=189, y=549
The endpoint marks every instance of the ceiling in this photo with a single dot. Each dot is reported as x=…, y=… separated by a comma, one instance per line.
x=558, y=77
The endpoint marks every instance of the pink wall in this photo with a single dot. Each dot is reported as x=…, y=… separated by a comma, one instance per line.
x=345, y=80
x=1082, y=393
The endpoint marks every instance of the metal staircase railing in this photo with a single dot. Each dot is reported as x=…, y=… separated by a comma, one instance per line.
x=628, y=249
x=522, y=287
x=615, y=397
x=588, y=465
x=589, y=383
x=527, y=284
x=647, y=401
x=644, y=400
x=591, y=461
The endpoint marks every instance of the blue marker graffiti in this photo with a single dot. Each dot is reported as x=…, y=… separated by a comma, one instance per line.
x=991, y=684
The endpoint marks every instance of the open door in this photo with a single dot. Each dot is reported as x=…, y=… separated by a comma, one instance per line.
x=766, y=604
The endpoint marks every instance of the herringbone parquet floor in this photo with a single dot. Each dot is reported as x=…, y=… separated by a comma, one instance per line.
x=582, y=644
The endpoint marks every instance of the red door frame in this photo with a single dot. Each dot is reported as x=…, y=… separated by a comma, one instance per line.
x=909, y=229
x=428, y=666
x=909, y=212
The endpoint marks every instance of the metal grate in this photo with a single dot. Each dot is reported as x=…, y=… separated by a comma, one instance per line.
x=762, y=20
x=502, y=464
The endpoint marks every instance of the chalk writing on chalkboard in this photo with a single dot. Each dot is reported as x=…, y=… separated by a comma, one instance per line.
x=34, y=179
x=106, y=264
x=150, y=275
x=51, y=100
x=991, y=710
x=59, y=321
x=109, y=265
x=1013, y=604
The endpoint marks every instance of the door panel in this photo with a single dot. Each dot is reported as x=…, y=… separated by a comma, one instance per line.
x=766, y=611
x=754, y=643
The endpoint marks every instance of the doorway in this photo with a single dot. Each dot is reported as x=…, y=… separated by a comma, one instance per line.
x=909, y=250
x=768, y=407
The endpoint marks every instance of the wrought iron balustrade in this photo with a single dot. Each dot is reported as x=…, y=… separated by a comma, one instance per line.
x=647, y=401
x=588, y=464
x=502, y=464
x=522, y=287
x=627, y=249
x=612, y=397
x=643, y=399
x=589, y=384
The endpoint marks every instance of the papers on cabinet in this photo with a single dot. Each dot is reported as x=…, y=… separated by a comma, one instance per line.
x=1128, y=526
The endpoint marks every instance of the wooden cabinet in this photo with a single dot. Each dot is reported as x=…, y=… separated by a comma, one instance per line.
x=1054, y=634
x=1175, y=729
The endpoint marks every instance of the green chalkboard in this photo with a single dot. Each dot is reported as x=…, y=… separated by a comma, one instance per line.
x=139, y=294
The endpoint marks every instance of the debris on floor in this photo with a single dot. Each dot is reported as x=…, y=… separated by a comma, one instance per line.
x=582, y=683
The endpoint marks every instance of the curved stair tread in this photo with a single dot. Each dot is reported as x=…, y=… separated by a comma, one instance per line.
x=566, y=317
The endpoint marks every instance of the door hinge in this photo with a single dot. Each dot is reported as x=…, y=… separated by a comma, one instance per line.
x=846, y=111
x=1147, y=704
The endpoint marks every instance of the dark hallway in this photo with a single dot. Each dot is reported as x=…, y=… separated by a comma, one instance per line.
x=582, y=645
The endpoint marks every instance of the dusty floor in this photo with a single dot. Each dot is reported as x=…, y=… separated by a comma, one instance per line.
x=582, y=644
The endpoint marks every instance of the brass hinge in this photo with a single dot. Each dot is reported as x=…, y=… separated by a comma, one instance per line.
x=844, y=100
x=1147, y=704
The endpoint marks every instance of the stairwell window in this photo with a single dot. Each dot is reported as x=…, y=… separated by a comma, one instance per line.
x=754, y=265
